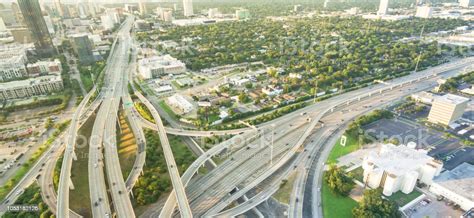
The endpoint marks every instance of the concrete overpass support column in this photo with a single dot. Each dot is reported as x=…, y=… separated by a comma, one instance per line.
x=259, y=214
x=71, y=185
x=118, y=121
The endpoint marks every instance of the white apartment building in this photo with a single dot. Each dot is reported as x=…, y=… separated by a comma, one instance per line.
x=457, y=185
x=31, y=87
x=168, y=16
x=160, y=65
x=383, y=7
x=12, y=50
x=107, y=22
x=397, y=168
x=188, y=8
x=424, y=12
x=213, y=12
x=447, y=109
x=181, y=103
x=44, y=67
x=12, y=68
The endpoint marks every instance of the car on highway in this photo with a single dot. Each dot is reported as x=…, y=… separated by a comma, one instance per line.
x=19, y=192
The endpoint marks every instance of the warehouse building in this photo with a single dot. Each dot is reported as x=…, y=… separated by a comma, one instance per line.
x=457, y=185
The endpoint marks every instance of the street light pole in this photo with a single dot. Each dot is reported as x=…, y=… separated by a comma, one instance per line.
x=271, y=146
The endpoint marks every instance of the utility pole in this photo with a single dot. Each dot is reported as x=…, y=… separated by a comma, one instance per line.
x=419, y=55
x=315, y=91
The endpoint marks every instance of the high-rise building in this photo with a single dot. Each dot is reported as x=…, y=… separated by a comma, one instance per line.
x=18, y=16
x=59, y=8
x=39, y=31
x=8, y=16
x=212, y=12
x=466, y=3
x=326, y=2
x=82, y=46
x=383, y=7
x=107, y=22
x=142, y=7
x=168, y=16
x=188, y=8
x=49, y=24
x=2, y=25
x=83, y=9
x=447, y=109
x=113, y=14
x=424, y=11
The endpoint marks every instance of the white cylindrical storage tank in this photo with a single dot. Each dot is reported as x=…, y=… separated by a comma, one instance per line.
x=374, y=178
x=428, y=174
x=411, y=145
x=409, y=182
x=390, y=184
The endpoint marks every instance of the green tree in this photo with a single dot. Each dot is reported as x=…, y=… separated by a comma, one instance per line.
x=373, y=206
x=339, y=182
x=49, y=123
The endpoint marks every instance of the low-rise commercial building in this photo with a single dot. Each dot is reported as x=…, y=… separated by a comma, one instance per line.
x=242, y=14
x=180, y=103
x=447, y=109
x=423, y=97
x=398, y=168
x=83, y=47
x=155, y=66
x=31, y=87
x=457, y=185
x=142, y=25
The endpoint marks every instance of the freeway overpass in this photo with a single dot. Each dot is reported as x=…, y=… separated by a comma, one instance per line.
x=344, y=100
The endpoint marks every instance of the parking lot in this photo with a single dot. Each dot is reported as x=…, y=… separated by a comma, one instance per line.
x=449, y=150
x=430, y=207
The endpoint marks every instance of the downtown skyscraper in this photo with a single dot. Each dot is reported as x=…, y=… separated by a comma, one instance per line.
x=188, y=8
x=33, y=18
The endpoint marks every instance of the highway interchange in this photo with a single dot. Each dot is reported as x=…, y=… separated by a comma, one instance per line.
x=298, y=141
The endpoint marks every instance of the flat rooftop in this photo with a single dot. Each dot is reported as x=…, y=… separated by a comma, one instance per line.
x=452, y=99
x=30, y=82
x=459, y=180
x=400, y=159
